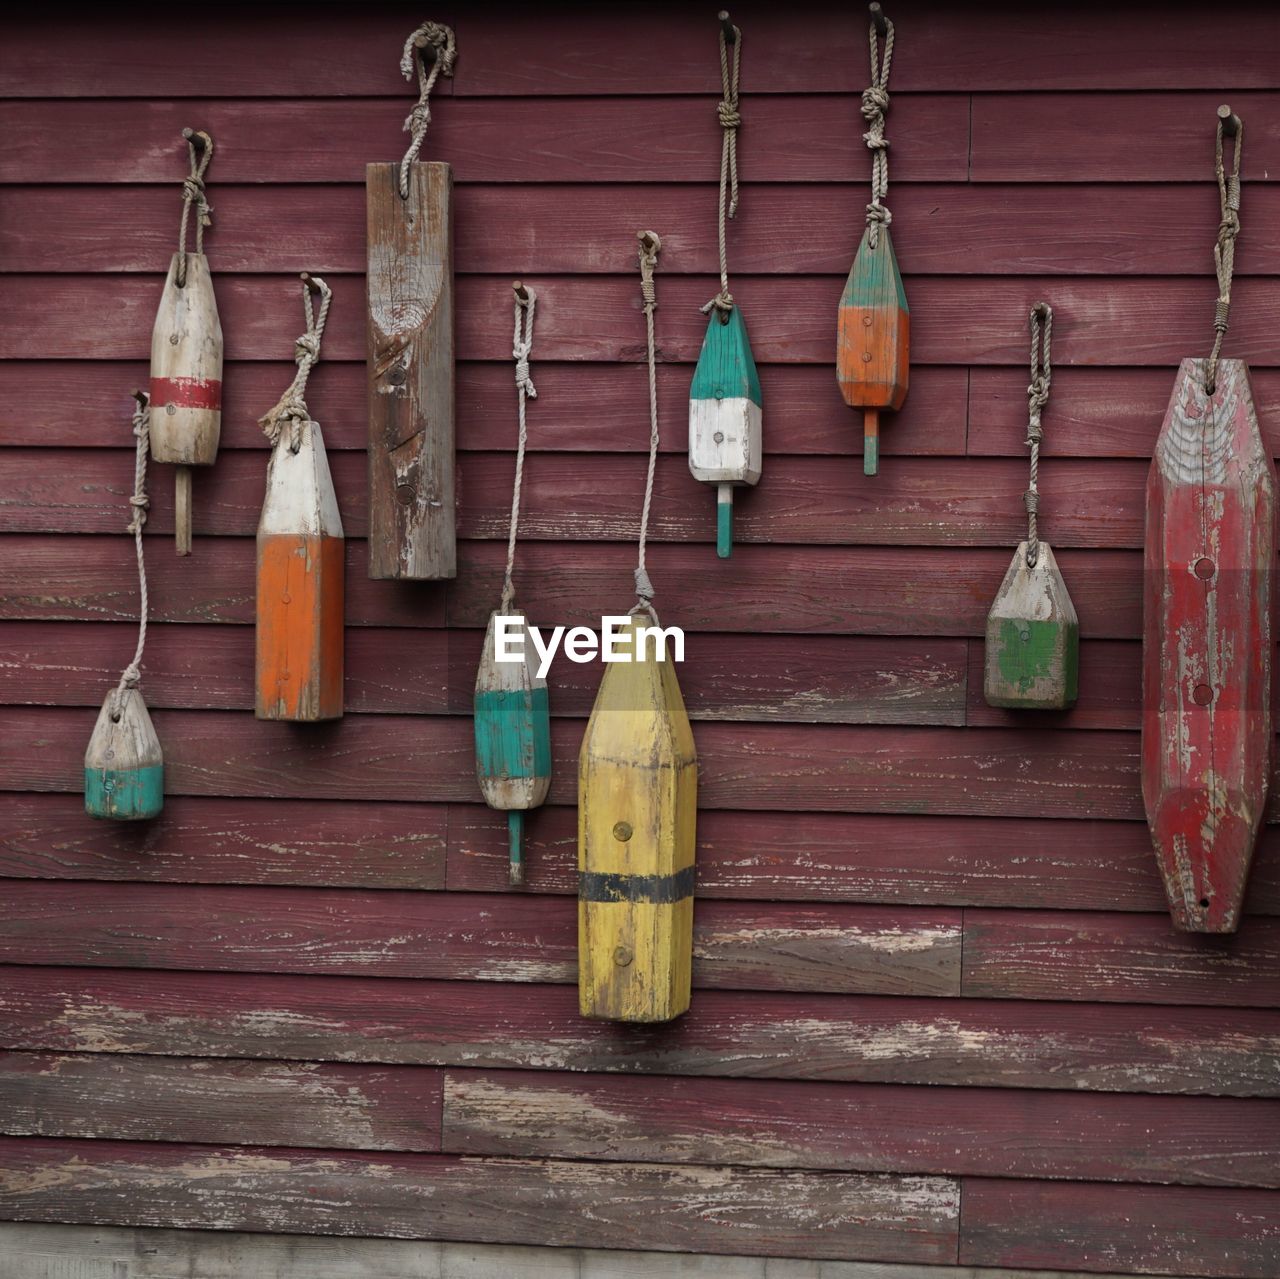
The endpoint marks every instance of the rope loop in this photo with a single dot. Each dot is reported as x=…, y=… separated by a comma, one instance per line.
x=1041, y=323
x=730, y=117
x=526, y=301
x=650, y=247
x=1224, y=248
x=290, y=411
x=438, y=38
x=199, y=153
x=131, y=676
x=875, y=106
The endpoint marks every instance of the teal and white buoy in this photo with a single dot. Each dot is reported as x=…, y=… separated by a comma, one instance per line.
x=724, y=400
x=123, y=765
x=724, y=417
x=511, y=712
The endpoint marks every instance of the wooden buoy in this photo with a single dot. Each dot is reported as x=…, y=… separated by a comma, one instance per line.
x=637, y=801
x=412, y=532
x=874, y=324
x=637, y=811
x=513, y=736
x=1207, y=635
x=186, y=352
x=511, y=711
x=123, y=765
x=1033, y=635
x=301, y=552
x=724, y=401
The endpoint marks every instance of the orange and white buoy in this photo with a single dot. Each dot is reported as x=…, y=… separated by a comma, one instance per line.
x=301, y=552
x=186, y=353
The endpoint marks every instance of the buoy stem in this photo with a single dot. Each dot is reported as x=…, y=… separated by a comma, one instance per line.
x=182, y=509
x=870, y=441
x=515, y=837
x=724, y=520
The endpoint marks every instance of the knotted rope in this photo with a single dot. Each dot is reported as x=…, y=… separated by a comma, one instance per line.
x=201, y=152
x=138, y=504
x=875, y=102
x=439, y=39
x=291, y=408
x=730, y=119
x=1037, y=398
x=1224, y=250
x=650, y=247
x=521, y=346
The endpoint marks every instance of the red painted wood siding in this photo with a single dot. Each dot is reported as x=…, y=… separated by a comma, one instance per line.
x=939, y=1015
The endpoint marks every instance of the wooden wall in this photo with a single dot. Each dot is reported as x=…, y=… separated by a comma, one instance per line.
x=940, y=1016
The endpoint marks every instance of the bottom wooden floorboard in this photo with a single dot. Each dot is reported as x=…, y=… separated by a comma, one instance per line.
x=760, y=1212
x=40, y=1251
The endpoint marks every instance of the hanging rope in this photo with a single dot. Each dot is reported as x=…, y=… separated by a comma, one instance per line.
x=727, y=108
x=200, y=148
x=138, y=504
x=291, y=408
x=875, y=102
x=1224, y=251
x=650, y=247
x=439, y=39
x=521, y=346
x=1037, y=398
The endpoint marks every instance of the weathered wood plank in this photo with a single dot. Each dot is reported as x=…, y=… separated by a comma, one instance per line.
x=220, y=1102
x=1179, y=1231
x=1062, y=229
x=920, y=592
x=756, y=1211
x=959, y=319
x=577, y=497
x=511, y=53
x=908, y=860
x=42, y=405
x=267, y=841
x=814, y=138
x=1045, y=137
x=726, y=1034
x=458, y=936
x=865, y=1127
x=771, y=767
x=1131, y=958
x=918, y=859
x=48, y=1251
x=864, y=680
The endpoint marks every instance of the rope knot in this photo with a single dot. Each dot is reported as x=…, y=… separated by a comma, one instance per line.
x=306, y=347
x=644, y=587
x=140, y=503
x=1031, y=500
x=727, y=110
x=524, y=381
x=722, y=304
x=877, y=213
x=875, y=103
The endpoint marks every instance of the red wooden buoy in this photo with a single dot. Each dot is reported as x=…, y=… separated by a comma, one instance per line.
x=1207, y=638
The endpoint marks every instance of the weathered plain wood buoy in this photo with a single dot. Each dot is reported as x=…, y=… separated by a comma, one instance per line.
x=186, y=352
x=637, y=804
x=301, y=553
x=725, y=443
x=874, y=324
x=412, y=520
x=124, y=765
x=1207, y=636
x=1033, y=635
x=511, y=711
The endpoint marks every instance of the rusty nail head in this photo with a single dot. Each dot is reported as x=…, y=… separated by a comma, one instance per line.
x=622, y=831
x=622, y=956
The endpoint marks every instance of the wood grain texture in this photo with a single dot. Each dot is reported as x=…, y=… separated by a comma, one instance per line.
x=168, y=1099
x=760, y=1211
x=854, y=949
x=1060, y=229
x=770, y=767
x=868, y=1127
x=725, y=1034
x=1157, y=1231
x=1130, y=958
x=959, y=319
